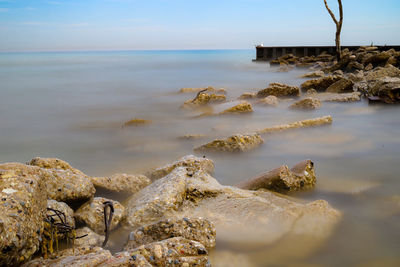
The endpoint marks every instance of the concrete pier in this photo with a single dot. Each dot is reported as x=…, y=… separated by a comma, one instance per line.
x=264, y=53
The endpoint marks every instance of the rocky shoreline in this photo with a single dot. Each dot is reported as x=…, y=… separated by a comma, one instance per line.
x=174, y=215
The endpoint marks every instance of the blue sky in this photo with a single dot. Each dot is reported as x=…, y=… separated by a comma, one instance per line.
x=39, y=25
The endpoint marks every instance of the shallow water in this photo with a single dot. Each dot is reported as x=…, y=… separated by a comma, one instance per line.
x=72, y=105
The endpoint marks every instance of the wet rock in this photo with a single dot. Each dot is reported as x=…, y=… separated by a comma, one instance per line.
x=308, y=103
x=384, y=85
x=192, y=136
x=341, y=86
x=22, y=210
x=269, y=101
x=63, y=182
x=279, y=90
x=334, y=97
x=121, y=183
x=209, y=89
x=234, y=143
x=190, y=161
x=175, y=251
x=137, y=122
x=389, y=93
x=92, y=213
x=369, y=67
x=248, y=95
x=377, y=73
x=311, y=92
x=88, y=238
x=320, y=84
x=125, y=259
x=81, y=256
x=198, y=229
x=283, y=180
x=356, y=77
x=52, y=208
x=378, y=59
x=298, y=124
x=244, y=107
x=338, y=73
x=314, y=74
x=204, y=98
x=255, y=217
x=354, y=65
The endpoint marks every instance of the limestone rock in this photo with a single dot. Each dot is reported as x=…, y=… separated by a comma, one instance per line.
x=76, y=257
x=377, y=73
x=190, y=161
x=298, y=124
x=204, y=98
x=88, y=238
x=192, y=136
x=320, y=84
x=175, y=251
x=269, y=101
x=137, y=122
x=64, y=183
x=369, y=67
x=121, y=183
x=308, y=103
x=341, y=86
x=234, y=143
x=209, y=89
x=248, y=95
x=22, y=210
x=314, y=74
x=384, y=86
x=198, y=229
x=334, y=97
x=244, y=107
x=378, y=59
x=92, y=213
x=53, y=205
x=311, y=92
x=279, y=90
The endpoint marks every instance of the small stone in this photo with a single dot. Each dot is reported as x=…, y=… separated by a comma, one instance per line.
x=234, y=143
x=244, y=107
x=247, y=95
x=88, y=238
x=137, y=122
x=308, y=103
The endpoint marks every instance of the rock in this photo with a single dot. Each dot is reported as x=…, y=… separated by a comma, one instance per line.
x=87, y=238
x=244, y=107
x=209, y=89
x=298, y=124
x=311, y=92
x=356, y=77
x=378, y=59
x=200, y=230
x=22, y=210
x=308, y=103
x=92, y=213
x=137, y=122
x=320, y=84
x=269, y=101
x=377, y=73
x=279, y=90
x=338, y=73
x=125, y=259
x=175, y=251
x=341, y=86
x=255, y=217
x=204, y=98
x=283, y=180
x=192, y=136
x=389, y=93
x=64, y=183
x=334, y=97
x=53, y=205
x=234, y=143
x=369, y=67
x=247, y=95
x=190, y=161
x=354, y=65
x=383, y=84
x=314, y=74
x=81, y=256
x=121, y=183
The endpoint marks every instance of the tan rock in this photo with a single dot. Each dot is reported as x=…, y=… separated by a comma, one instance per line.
x=87, y=238
x=279, y=90
x=244, y=107
x=269, y=101
x=234, y=143
x=308, y=103
x=121, y=182
x=341, y=86
x=53, y=207
x=314, y=74
x=204, y=98
x=298, y=124
x=320, y=84
x=247, y=95
x=334, y=97
x=137, y=122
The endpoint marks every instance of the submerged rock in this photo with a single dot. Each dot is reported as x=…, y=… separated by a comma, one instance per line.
x=269, y=101
x=234, y=143
x=190, y=161
x=279, y=90
x=192, y=136
x=308, y=103
x=204, y=98
x=22, y=210
x=92, y=213
x=320, y=84
x=207, y=89
x=244, y=107
x=175, y=251
x=198, y=229
x=341, y=86
x=63, y=182
x=137, y=122
x=298, y=124
x=121, y=183
x=247, y=95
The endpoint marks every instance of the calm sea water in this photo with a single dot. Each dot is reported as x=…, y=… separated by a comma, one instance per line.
x=72, y=105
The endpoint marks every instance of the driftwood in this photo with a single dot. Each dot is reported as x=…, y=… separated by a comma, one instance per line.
x=281, y=179
x=338, y=27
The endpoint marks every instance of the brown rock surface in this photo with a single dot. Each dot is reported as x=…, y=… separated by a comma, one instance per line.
x=279, y=90
x=341, y=86
x=320, y=84
x=244, y=107
x=121, y=182
x=234, y=143
x=308, y=103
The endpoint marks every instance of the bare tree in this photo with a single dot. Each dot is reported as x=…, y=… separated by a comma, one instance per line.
x=338, y=27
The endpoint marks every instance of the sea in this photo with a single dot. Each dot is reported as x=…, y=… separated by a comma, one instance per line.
x=73, y=106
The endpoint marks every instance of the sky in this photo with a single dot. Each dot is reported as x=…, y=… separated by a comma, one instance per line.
x=40, y=25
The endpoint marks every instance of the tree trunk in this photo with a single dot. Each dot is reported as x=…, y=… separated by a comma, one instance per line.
x=338, y=27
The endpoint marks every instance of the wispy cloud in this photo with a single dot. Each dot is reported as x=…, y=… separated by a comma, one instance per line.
x=4, y=10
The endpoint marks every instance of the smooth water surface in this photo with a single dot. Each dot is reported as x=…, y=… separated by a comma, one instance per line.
x=72, y=105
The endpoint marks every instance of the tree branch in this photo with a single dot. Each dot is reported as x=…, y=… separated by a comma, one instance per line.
x=331, y=13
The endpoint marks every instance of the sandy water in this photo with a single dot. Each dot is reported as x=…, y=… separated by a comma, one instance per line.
x=72, y=105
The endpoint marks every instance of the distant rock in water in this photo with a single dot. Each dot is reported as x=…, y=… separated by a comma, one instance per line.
x=279, y=90
x=209, y=89
x=137, y=122
x=244, y=107
x=308, y=103
x=234, y=143
x=320, y=84
x=204, y=98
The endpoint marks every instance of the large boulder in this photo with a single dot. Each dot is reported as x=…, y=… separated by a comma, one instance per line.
x=378, y=59
x=121, y=183
x=320, y=84
x=341, y=86
x=197, y=229
x=279, y=90
x=187, y=161
x=240, y=216
x=92, y=213
x=234, y=143
x=63, y=182
x=22, y=211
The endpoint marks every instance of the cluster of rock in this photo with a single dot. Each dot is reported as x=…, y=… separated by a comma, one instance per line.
x=173, y=220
